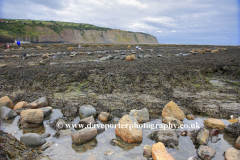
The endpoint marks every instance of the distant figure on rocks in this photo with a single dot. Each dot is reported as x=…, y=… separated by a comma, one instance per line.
x=79, y=46
x=23, y=55
x=18, y=43
x=5, y=46
x=138, y=48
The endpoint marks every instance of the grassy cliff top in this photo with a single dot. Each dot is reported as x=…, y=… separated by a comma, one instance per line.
x=15, y=27
x=21, y=27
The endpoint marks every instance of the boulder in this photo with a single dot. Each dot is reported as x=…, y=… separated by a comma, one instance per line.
x=15, y=56
x=172, y=110
x=70, y=48
x=190, y=117
x=238, y=143
x=172, y=122
x=214, y=123
x=159, y=55
x=99, y=56
x=201, y=51
x=159, y=152
x=39, y=47
x=20, y=105
x=202, y=136
x=45, y=56
x=233, y=129
x=147, y=151
x=140, y=56
x=127, y=131
x=41, y=102
x=123, y=57
x=32, y=139
x=147, y=56
x=141, y=115
x=223, y=49
x=47, y=111
x=86, y=122
x=5, y=101
x=32, y=116
x=207, y=50
x=84, y=135
x=104, y=59
x=104, y=116
x=232, y=154
x=7, y=113
x=215, y=51
x=168, y=137
x=87, y=111
x=131, y=58
x=206, y=152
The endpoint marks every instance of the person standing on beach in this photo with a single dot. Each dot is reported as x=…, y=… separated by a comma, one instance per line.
x=7, y=45
x=18, y=43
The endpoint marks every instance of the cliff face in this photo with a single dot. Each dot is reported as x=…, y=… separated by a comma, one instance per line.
x=90, y=36
x=110, y=36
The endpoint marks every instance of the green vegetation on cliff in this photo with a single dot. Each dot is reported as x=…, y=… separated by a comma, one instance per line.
x=28, y=27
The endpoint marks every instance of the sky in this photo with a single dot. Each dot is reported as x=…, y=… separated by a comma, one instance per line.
x=214, y=22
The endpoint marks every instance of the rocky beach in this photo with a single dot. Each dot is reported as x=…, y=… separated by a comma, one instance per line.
x=56, y=87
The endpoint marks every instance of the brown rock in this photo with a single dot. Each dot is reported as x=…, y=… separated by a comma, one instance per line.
x=233, y=120
x=223, y=49
x=99, y=56
x=172, y=110
x=190, y=117
x=215, y=51
x=214, y=123
x=159, y=152
x=213, y=132
x=104, y=116
x=207, y=50
x=5, y=101
x=201, y=51
x=131, y=58
x=84, y=135
x=32, y=116
x=127, y=131
x=21, y=104
x=232, y=154
x=238, y=143
x=70, y=48
x=45, y=56
x=39, y=47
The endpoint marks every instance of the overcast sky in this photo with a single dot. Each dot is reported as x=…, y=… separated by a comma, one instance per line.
x=170, y=21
